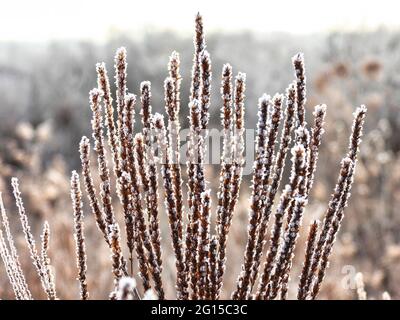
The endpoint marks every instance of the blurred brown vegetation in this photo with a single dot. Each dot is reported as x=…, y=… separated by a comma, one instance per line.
x=44, y=112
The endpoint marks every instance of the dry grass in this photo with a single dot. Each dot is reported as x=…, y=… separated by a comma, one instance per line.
x=199, y=231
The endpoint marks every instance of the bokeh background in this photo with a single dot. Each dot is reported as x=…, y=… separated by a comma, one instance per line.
x=48, y=52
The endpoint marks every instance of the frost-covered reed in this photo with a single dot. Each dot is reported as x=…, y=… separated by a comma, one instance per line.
x=146, y=161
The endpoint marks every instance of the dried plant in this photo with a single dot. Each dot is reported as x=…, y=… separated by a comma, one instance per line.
x=199, y=251
x=76, y=196
x=45, y=237
x=11, y=259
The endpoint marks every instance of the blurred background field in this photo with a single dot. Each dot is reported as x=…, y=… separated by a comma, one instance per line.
x=44, y=111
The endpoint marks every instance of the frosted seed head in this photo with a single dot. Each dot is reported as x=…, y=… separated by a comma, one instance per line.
x=299, y=57
x=241, y=76
x=320, y=108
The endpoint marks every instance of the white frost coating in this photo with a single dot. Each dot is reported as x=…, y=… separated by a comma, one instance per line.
x=241, y=76
x=319, y=108
x=386, y=296
x=360, y=109
x=150, y=295
x=126, y=287
x=265, y=98
x=127, y=282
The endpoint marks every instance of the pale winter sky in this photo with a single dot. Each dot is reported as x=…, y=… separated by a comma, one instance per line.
x=42, y=20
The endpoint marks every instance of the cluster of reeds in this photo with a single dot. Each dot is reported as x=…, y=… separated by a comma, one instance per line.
x=200, y=253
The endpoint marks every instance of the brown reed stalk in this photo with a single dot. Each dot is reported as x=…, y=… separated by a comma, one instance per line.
x=172, y=109
x=256, y=199
x=125, y=180
x=84, y=150
x=225, y=180
x=328, y=219
x=81, y=257
x=131, y=200
x=267, y=193
x=200, y=96
x=204, y=221
x=29, y=238
x=45, y=237
x=152, y=207
x=97, y=127
x=134, y=215
x=238, y=141
x=305, y=273
x=273, y=185
x=116, y=253
x=303, y=136
x=282, y=208
x=237, y=169
x=193, y=200
x=155, y=269
x=286, y=254
x=196, y=161
x=170, y=204
x=206, y=77
x=275, y=241
x=148, y=174
x=174, y=129
x=103, y=84
x=341, y=203
x=188, y=232
x=171, y=153
x=10, y=268
x=204, y=247
x=204, y=238
x=174, y=74
x=356, y=132
x=285, y=286
x=300, y=74
x=145, y=157
x=120, y=83
x=316, y=134
x=331, y=237
x=145, y=112
x=105, y=185
x=17, y=269
x=211, y=293
x=280, y=159
x=137, y=226
x=295, y=209
x=199, y=46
